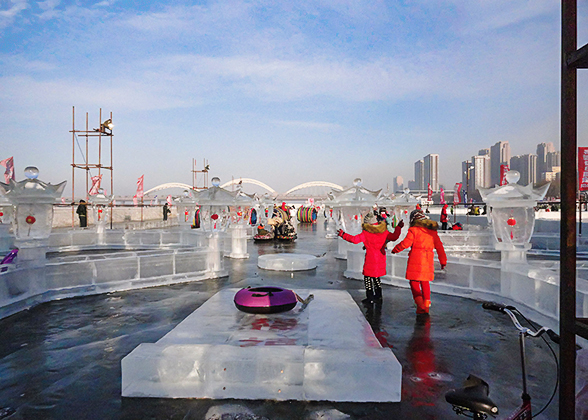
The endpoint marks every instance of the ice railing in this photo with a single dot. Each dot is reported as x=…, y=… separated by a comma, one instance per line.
x=534, y=285
x=81, y=262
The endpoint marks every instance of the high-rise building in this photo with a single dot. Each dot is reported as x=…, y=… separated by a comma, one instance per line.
x=543, y=150
x=431, y=171
x=481, y=171
x=419, y=174
x=484, y=152
x=398, y=184
x=527, y=167
x=553, y=161
x=499, y=155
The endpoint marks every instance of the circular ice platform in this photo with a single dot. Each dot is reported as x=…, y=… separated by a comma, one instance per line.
x=287, y=262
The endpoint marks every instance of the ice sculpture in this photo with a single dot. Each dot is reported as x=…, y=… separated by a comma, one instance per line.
x=186, y=210
x=220, y=209
x=350, y=206
x=6, y=213
x=512, y=209
x=265, y=206
x=100, y=203
x=33, y=200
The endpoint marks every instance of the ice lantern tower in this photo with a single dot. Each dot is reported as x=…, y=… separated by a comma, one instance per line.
x=100, y=205
x=33, y=202
x=512, y=208
x=186, y=210
x=350, y=206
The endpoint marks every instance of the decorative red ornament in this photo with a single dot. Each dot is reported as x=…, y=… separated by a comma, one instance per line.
x=214, y=216
x=511, y=221
x=1, y=214
x=30, y=220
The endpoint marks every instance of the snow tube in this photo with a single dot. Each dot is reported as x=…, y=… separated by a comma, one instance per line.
x=306, y=214
x=265, y=300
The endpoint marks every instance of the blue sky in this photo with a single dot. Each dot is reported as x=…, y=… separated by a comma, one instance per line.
x=280, y=92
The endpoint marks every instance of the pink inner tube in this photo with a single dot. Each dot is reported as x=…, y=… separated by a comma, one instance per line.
x=265, y=300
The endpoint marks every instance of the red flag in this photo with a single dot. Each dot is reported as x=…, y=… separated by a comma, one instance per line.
x=169, y=200
x=8, y=163
x=442, y=200
x=456, y=193
x=583, y=168
x=95, y=185
x=134, y=200
x=140, y=186
x=429, y=193
x=503, y=171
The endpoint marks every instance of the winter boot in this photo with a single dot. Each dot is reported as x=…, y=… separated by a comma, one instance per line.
x=427, y=305
x=369, y=290
x=420, y=303
x=377, y=290
x=369, y=297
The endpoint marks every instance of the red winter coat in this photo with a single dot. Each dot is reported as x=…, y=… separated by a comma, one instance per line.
x=423, y=238
x=375, y=238
x=443, y=218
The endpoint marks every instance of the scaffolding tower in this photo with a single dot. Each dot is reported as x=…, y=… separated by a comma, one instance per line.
x=204, y=177
x=94, y=139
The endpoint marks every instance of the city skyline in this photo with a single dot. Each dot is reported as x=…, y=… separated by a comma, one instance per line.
x=278, y=92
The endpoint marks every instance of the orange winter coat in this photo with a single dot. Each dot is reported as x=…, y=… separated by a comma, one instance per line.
x=422, y=238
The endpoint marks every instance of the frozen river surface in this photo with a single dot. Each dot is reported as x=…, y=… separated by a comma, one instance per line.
x=62, y=360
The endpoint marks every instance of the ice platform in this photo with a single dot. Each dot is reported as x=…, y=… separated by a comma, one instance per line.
x=325, y=351
x=287, y=262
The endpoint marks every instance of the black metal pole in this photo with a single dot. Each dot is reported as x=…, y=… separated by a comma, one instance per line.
x=567, y=300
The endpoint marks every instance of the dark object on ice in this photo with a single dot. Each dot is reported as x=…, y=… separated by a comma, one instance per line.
x=265, y=300
x=8, y=259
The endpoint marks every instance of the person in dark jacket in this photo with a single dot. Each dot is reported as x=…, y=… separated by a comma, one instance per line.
x=374, y=236
x=166, y=211
x=82, y=212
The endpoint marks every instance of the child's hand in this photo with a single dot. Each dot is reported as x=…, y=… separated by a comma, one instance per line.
x=400, y=224
x=340, y=232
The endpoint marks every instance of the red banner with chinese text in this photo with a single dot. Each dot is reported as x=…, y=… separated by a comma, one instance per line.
x=583, y=168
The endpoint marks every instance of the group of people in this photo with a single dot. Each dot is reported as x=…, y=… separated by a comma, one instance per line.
x=421, y=238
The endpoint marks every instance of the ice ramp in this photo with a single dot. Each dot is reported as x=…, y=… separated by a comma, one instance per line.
x=324, y=352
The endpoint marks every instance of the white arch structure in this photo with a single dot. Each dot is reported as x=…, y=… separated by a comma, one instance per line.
x=249, y=181
x=314, y=184
x=169, y=185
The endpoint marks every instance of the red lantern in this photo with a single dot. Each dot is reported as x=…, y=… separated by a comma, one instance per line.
x=214, y=216
x=511, y=221
x=30, y=220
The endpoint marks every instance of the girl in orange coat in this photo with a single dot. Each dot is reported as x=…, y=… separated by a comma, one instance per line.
x=422, y=238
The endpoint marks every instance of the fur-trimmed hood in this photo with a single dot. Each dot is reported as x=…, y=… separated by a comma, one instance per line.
x=379, y=228
x=426, y=223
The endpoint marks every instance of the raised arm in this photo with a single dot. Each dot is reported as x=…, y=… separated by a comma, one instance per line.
x=406, y=242
x=354, y=239
x=392, y=236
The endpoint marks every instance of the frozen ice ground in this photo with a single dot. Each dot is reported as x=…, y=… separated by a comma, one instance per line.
x=61, y=360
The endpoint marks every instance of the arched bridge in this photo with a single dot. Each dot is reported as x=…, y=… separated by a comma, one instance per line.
x=307, y=185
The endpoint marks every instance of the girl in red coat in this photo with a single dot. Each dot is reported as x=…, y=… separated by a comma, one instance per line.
x=423, y=238
x=374, y=236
